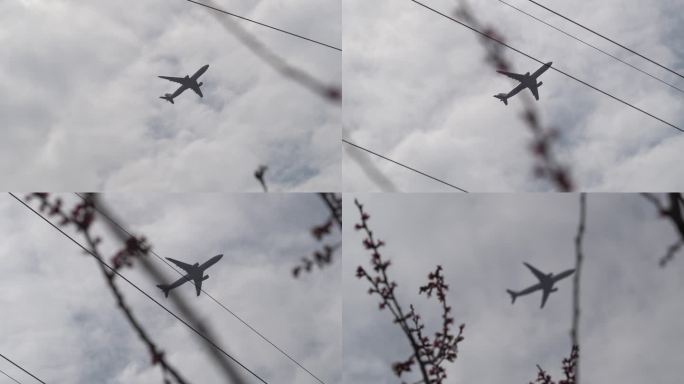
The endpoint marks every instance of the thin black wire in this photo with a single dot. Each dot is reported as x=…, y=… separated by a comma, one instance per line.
x=612, y=41
x=541, y=62
x=264, y=25
x=210, y=296
x=140, y=290
x=12, y=378
x=20, y=367
x=592, y=46
x=403, y=165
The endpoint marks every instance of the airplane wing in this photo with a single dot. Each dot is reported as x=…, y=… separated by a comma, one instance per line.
x=198, y=285
x=545, y=295
x=184, y=266
x=195, y=87
x=515, y=76
x=179, y=80
x=539, y=274
x=534, y=90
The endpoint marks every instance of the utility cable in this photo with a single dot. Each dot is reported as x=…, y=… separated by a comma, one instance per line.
x=20, y=367
x=264, y=25
x=213, y=344
x=403, y=165
x=111, y=220
x=592, y=46
x=488, y=36
x=612, y=41
x=10, y=377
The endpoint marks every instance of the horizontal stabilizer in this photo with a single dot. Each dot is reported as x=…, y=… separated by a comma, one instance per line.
x=513, y=295
x=164, y=288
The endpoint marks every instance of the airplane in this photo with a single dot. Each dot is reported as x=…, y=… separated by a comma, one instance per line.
x=193, y=272
x=546, y=282
x=526, y=81
x=186, y=82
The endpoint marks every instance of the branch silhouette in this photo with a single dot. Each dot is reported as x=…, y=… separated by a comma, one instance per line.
x=323, y=257
x=259, y=175
x=136, y=249
x=81, y=217
x=569, y=370
x=429, y=354
x=579, y=258
x=542, y=148
x=331, y=93
x=671, y=210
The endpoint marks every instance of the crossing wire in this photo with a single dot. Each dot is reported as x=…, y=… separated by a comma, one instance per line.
x=602, y=36
x=592, y=46
x=10, y=377
x=20, y=367
x=264, y=25
x=403, y=165
x=208, y=340
x=552, y=67
x=121, y=227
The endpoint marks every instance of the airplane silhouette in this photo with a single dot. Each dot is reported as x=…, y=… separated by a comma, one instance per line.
x=193, y=272
x=546, y=282
x=186, y=82
x=526, y=81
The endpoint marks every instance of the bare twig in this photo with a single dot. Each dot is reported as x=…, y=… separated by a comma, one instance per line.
x=259, y=175
x=569, y=370
x=547, y=166
x=331, y=93
x=428, y=353
x=323, y=257
x=672, y=212
x=579, y=257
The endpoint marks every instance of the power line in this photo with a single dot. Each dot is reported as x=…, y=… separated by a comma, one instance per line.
x=403, y=165
x=592, y=46
x=264, y=25
x=20, y=367
x=600, y=35
x=11, y=378
x=213, y=344
x=552, y=67
x=108, y=217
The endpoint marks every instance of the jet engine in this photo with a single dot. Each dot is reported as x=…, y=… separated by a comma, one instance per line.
x=540, y=84
x=205, y=277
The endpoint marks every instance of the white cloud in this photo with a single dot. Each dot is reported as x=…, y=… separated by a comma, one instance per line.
x=417, y=90
x=82, y=110
x=61, y=322
x=630, y=329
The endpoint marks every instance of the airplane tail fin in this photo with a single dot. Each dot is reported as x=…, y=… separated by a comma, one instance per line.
x=164, y=288
x=513, y=295
x=502, y=97
x=167, y=97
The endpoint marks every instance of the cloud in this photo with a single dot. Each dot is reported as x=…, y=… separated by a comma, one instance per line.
x=417, y=90
x=629, y=325
x=61, y=322
x=83, y=112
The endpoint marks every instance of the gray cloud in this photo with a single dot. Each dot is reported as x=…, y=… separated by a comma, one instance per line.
x=83, y=113
x=630, y=329
x=60, y=320
x=417, y=90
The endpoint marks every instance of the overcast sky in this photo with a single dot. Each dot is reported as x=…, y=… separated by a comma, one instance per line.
x=417, y=89
x=81, y=111
x=60, y=322
x=630, y=329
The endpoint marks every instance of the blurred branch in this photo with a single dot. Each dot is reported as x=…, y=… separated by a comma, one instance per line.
x=371, y=170
x=82, y=217
x=579, y=257
x=671, y=210
x=259, y=175
x=428, y=354
x=323, y=257
x=331, y=93
x=569, y=370
x=544, y=138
